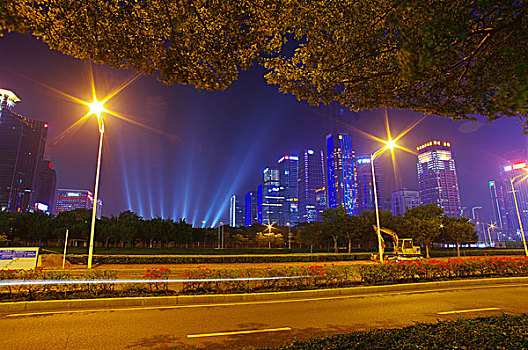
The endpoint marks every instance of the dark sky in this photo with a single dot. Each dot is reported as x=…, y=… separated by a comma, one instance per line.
x=202, y=147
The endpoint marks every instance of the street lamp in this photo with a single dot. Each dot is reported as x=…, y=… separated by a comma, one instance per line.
x=517, y=209
x=289, y=235
x=389, y=145
x=97, y=109
x=492, y=225
x=270, y=226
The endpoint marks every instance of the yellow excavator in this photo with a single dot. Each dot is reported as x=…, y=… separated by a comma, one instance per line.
x=403, y=247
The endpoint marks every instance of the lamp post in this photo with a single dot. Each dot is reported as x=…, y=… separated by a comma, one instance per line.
x=517, y=209
x=492, y=225
x=390, y=144
x=96, y=108
x=270, y=226
x=289, y=235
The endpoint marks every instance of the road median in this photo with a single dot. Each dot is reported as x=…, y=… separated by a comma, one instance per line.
x=183, y=300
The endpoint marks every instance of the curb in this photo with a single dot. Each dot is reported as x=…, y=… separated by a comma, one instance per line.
x=79, y=304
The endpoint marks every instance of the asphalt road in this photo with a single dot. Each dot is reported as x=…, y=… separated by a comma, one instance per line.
x=252, y=324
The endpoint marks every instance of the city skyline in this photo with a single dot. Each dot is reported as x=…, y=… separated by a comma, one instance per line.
x=156, y=174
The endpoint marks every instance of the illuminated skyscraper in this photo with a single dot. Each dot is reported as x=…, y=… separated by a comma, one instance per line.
x=22, y=143
x=341, y=173
x=288, y=170
x=269, y=198
x=236, y=212
x=76, y=199
x=404, y=199
x=250, y=208
x=310, y=185
x=509, y=171
x=497, y=204
x=437, y=177
x=365, y=190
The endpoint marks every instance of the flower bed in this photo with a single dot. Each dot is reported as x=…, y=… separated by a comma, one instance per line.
x=430, y=270
x=203, y=280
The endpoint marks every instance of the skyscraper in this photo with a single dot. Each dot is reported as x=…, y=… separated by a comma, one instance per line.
x=365, y=189
x=76, y=199
x=310, y=185
x=341, y=173
x=437, y=177
x=236, y=212
x=404, y=199
x=509, y=171
x=22, y=143
x=269, y=198
x=288, y=170
x=47, y=179
x=250, y=208
x=497, y=204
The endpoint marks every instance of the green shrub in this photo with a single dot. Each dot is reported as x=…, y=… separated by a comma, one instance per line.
x=215, y=259
x=497, y=332
x=430, y=270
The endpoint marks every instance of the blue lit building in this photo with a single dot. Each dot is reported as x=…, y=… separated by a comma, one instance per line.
x=311, y=185
x=236, y=212
x=341, y=173
x=365, y=189
x=269, y=198
x=250, y=208
x=288, y=169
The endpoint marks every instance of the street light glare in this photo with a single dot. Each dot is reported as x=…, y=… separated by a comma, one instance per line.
x=96, y=107
x=390, y=144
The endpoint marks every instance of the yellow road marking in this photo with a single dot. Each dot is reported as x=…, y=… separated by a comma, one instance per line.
x=469, y=310
x=261, y=302
x=238, y=332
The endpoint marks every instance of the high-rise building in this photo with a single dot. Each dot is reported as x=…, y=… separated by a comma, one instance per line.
x=365, y=189
x=311, y=186
x=478, y=220
x=250, y=208
x=47, y=179
x=236, y=212
x=22, y=143
x=288, y=170
x=437, y=177
x=404, y=199
x=269, y=198
x=497, y=204
x=341, y=173
x=76, y=199
x=508, y=172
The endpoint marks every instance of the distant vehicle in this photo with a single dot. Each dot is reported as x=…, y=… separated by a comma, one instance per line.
x=403, y=248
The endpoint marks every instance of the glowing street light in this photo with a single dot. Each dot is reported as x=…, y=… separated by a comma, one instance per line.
x=389, y=145
x=517, y=209
x=97, y=109
x=269, y=226
x=492, y=226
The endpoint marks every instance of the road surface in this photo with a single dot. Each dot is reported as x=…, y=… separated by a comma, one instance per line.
x=252, y=324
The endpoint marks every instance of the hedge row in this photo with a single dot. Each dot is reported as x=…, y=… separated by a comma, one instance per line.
x=430, y=270
x=219, y=259
x=496, y=332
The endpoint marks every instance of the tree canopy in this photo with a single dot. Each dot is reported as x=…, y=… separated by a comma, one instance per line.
x=457, y=58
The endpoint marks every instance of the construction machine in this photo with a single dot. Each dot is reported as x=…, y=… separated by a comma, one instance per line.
x=403, y=248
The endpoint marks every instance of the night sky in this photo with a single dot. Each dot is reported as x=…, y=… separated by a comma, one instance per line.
x=202, y=147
